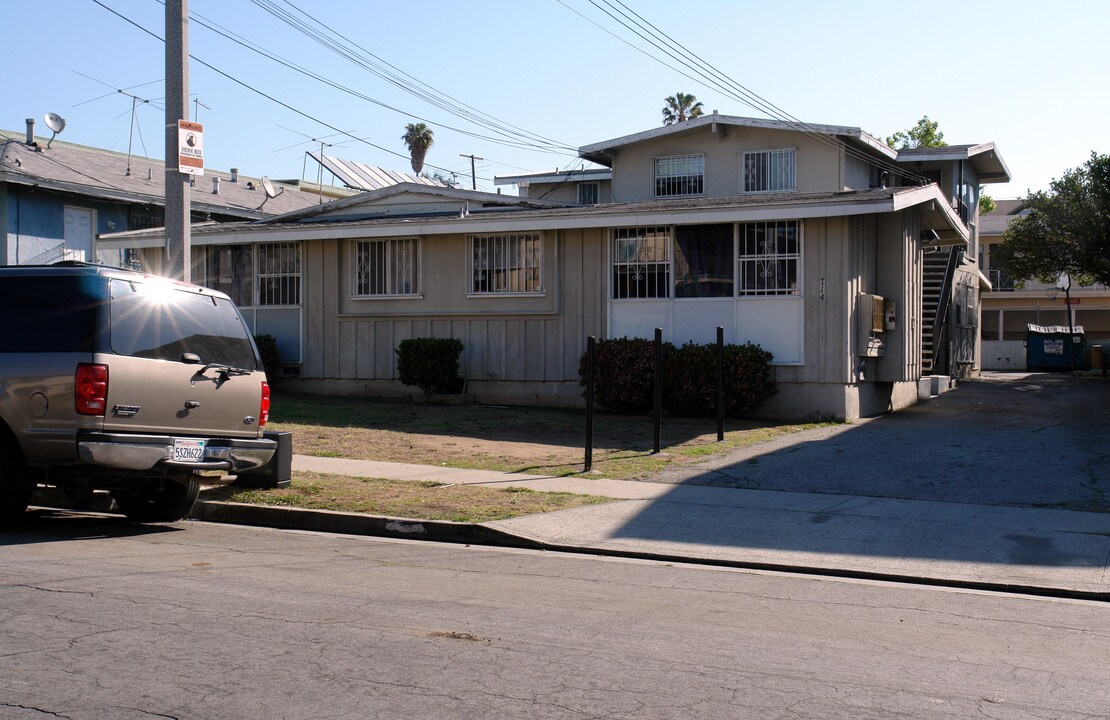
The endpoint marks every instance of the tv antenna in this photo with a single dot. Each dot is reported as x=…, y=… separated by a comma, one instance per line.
x=56, y=123
x=197, y=105
x=268, y=188
x=135, y=100
x=304, y=164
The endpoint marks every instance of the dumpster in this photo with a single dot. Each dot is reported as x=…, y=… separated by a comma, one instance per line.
x=1053, y=347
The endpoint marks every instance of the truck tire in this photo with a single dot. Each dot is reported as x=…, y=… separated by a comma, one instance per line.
x=165, y=501
x=15, y=484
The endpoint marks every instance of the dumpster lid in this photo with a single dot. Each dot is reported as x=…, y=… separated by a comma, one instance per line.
x=1054, y=329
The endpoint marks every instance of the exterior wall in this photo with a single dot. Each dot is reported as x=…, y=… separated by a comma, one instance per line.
x=531, y=340
x=35, y=221
x=818, y=165
x=566, y=192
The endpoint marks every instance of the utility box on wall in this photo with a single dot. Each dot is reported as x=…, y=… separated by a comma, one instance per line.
x=872, y=324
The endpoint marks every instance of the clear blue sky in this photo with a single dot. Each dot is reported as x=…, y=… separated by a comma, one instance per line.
x=1030, y=76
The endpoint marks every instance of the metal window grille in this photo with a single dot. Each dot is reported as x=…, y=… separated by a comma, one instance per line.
x=588, y=193
x=508, y=263
x=641, y=262
x=769, y=171
x=679, y=175
x=384, y=267
x=770, y=258
x=279, y=273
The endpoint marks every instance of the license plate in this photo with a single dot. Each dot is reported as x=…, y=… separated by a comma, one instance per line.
x=188, y=450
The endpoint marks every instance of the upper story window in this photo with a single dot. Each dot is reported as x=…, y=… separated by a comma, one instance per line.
x=770, y=258
x=506, y=263
x=679, y=175
x=641, y=262
x=384, y=267
x=588, y=193
x=768, y=171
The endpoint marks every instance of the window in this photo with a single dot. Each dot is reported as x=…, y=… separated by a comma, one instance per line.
x=767, y=171
x=506, y=263
x=255, y=275
x=641, y=262
x=703, y=264
x=279, y=274
x=587, y=193
x=384, y=267
x=679, y=175
x=770, y=257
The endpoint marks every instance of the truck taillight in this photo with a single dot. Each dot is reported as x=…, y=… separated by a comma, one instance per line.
x=264, y=407
x=90, y=389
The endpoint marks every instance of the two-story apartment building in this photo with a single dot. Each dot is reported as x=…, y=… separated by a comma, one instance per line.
x=810, y=240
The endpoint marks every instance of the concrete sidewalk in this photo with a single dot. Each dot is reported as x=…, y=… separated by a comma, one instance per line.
x=1015, y=548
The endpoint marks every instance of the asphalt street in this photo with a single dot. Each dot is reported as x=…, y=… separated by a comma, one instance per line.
x=200, y=620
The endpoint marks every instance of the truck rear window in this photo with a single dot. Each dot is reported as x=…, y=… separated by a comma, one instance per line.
x=156, y=320
x=46, y=315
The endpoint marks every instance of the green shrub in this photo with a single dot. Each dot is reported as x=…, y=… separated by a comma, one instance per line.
x=623, y=373
x=431, y=364
x=690, y=379
x=624, y=369
x=271, y=358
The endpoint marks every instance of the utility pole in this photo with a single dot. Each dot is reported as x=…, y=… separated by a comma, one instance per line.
x=178, y=239
x=473, y=177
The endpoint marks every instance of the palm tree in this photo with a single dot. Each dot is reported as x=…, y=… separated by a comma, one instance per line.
x=681, y=107
x=418, y=138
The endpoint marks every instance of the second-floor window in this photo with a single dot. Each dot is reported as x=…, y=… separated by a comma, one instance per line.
x=768, y=171
x=384, y=267
x=588, y=193
x=679, y=175
x=506, y=263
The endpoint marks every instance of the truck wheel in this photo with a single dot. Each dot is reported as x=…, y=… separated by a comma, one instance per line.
x=15, y=484
x=164, y=502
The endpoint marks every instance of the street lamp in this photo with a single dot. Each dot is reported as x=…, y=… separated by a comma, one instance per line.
x=1064, y=283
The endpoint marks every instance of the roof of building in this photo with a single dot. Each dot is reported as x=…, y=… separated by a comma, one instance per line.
x=555, y=176
x=995, y=222
x=110, y=175
x=777, y=206
x=984, y=156
x=601, y=152
x=361, y=176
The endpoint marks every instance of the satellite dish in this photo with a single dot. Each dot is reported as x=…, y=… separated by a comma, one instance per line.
x=56, y=123
x=268, y=188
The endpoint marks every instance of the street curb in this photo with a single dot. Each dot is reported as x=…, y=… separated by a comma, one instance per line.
x=330, y=521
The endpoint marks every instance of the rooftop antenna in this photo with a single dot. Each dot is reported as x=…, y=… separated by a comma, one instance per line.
x=56, y=123
x=197, y=105
x=268, y=188
x=319, y=170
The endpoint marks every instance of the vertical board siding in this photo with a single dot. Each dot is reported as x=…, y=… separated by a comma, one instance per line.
x=364, y=347
x=386, y=337
x=348, y=336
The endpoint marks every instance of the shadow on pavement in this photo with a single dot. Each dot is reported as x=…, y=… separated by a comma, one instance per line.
x=44, y=525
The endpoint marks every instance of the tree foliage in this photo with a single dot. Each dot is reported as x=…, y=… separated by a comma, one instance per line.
x=681, y=107
x=925, y=133
x=418, y=139
x=1066, y=229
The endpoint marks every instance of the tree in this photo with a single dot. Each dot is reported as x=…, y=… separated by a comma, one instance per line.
x=418, y=139
x=681, y=107
x=1067, y=229
x=924, y=134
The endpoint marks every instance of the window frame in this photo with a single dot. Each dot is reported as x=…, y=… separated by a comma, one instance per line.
x=261, y=299
x=502, y=247
x=769, y=152
x=595, y=188
x=391, y=245
x=667, y=263
x=743, y=259
x=676, y=182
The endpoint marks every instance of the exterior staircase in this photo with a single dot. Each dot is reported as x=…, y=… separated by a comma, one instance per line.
x=938, y=273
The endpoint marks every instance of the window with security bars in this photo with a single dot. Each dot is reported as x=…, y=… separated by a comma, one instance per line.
x=768, y=171
x=770, y=259
x=279, y=273
x=506, y=263
x=641, y=262
x=588, y=193
x=384, y=267
x=679, y=175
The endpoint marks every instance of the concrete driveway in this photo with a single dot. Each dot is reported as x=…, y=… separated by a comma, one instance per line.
x=1029, y=439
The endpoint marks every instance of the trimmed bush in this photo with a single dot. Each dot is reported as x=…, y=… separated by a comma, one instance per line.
x=431, y=364
x=623, y=372
x=690, y=379
x=271, y=358
x=624, y=369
